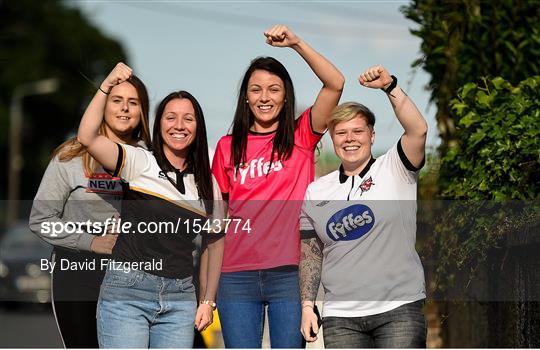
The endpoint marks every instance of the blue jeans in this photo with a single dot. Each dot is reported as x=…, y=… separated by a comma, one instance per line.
x=242, y=297
x=139, y=310
x=403, y=327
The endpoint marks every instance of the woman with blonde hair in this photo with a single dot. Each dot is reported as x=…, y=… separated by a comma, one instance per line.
x=76, y=189
x=358, y=227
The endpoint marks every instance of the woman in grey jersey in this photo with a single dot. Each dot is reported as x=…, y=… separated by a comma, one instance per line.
x=147, y=298
x=74, y=190
x=358, y=228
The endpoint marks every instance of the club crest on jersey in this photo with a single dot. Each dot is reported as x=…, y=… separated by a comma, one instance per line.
x=350, y=223
x=366, y=185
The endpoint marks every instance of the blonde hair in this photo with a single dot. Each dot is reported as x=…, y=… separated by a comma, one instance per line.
x=73, y=148
x=348, y=111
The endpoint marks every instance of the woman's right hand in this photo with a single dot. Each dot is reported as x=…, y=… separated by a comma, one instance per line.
x=103, y=244
x=120, y=73
x=310, y=326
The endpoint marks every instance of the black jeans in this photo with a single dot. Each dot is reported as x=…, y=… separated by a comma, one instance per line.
x=75, y=295
x=403, y=327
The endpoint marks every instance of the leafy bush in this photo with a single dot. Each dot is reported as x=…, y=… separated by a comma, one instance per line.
x=493, y=172
x=497, y=155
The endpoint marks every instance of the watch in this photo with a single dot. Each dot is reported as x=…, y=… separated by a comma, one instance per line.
x=212, y=303
x=391, y=87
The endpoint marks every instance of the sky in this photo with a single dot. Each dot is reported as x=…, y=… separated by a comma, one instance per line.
x=204, y=47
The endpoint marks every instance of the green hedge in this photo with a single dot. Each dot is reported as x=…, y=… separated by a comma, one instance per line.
x=497, y=155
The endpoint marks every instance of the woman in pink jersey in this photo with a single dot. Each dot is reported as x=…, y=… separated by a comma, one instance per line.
x=264, y=167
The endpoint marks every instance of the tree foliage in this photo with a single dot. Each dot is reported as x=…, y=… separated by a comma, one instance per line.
x=39, y=40
x=483, y=58
x=465, y=40
x=497, y=155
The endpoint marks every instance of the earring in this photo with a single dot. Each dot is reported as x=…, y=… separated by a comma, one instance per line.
x=247, y=101
x=285, y=100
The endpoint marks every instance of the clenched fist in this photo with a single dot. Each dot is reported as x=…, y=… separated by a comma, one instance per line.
x=120, y=73
x=376, y=77
x=281, y=36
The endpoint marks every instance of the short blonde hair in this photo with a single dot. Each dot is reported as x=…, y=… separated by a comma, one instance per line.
x=348, y=111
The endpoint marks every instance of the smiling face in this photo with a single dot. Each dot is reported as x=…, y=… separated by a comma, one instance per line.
x=266, y=97
x=122, y=112
x=178, y=128
x=352, y=143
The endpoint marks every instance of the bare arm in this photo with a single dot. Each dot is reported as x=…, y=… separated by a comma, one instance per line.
x=100, y=147
x=413, y=140
x=329, y=75
x=310, y=277
x=211, y=263
x=203, y=270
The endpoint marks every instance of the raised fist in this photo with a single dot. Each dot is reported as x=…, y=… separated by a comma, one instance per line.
x=375, y=77
x=120, y=73
x=280, y=36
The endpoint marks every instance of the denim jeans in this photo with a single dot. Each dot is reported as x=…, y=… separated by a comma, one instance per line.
x=403, y=327
x=139, y=310
x=242, y=297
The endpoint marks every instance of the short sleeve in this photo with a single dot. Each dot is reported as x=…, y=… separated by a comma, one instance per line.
x=307, y=227
x=132, y=162
x=400, y=165
x=219, y=212
x=304, y=135
x=218, y=168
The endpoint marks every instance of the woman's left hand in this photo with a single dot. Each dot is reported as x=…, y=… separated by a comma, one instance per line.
x=204, y=317
x=281, y=36
x=375, y=77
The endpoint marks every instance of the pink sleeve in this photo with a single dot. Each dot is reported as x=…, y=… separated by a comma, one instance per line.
x=304, y=135
x=218, y=168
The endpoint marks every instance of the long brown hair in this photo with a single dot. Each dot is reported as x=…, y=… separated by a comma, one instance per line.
x=73, y=148
x=243, y=118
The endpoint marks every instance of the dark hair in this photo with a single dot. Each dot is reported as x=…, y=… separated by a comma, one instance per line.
x=244, y=118
x=197, y=160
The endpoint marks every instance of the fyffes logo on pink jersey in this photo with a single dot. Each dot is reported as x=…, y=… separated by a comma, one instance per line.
x=257, y=168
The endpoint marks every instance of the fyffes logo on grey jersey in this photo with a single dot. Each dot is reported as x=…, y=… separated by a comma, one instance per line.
x=350, y=223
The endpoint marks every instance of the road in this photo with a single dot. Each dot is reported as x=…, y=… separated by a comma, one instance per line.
x=28, y=327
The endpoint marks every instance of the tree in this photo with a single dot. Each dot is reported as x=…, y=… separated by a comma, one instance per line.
x=465, y=40
x=483, y=58
x=43, y=39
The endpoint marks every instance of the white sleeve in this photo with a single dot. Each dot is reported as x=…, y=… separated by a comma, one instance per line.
x=307, y=227
x=219, y=210
x=132, y=162
x=399, y=165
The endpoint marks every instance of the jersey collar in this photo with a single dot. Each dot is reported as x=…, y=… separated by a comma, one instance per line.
x=343, y=178
x=257, y=133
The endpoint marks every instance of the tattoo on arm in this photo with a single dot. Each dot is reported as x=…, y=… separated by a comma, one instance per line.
x=310, y=268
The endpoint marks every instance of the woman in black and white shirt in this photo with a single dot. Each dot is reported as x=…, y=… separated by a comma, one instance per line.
x=147, y=297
